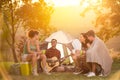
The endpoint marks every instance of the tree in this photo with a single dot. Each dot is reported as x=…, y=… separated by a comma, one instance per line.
x=36, y=15
x=108, y=18
x=110, y=21
x=8, y=8
x=28, y=15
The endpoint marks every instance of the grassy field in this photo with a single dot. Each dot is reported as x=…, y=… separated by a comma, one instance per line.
x=70, y=76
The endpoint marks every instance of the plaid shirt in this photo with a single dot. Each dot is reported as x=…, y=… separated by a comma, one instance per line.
x=52, y=53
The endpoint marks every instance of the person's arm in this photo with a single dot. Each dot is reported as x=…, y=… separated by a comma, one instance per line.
x=28, y=48
x=38, y=47
x=88, y=45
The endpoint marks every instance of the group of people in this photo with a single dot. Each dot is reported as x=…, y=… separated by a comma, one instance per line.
x=88, y=52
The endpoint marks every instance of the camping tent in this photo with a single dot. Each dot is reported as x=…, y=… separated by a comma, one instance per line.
x=62, y=38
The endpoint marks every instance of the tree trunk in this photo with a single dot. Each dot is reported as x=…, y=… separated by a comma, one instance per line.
x=13, y=34
x=14, y=54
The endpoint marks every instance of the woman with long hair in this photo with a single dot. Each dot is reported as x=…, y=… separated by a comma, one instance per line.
x=79, y=56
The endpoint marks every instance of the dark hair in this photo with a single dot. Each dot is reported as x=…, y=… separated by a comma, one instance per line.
x=85, y=36
x=91, y=33
x=32, y=33
x=53, y=40
x=84, y=45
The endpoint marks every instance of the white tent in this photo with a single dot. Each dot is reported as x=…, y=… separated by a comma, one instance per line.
x=62, y=38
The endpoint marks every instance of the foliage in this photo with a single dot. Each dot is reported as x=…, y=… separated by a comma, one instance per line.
x=110, y=21
x=11, y=23
x=35, y=15
x=20, y=46
x=108, y=17
x=114, y=54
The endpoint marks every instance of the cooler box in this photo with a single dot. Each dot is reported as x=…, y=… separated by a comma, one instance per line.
x=25, y=68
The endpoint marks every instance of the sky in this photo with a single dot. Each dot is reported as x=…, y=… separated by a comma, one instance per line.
x=66, y=15
x=68, y=19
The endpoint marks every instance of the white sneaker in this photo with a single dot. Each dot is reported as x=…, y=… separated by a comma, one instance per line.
x=46, y=72
x=91, y=74
x=34, y=72
x=87, y=73
x=101, y=74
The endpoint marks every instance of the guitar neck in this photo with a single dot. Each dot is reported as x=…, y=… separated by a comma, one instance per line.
x=62, y=59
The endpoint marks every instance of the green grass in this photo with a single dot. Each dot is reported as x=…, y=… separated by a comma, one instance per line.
x=68, y=76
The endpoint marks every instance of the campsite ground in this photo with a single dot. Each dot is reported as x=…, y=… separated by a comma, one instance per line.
x=70, y=76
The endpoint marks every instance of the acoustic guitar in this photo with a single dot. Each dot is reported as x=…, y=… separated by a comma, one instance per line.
x=54, y=62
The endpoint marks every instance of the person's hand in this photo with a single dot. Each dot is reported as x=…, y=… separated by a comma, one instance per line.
x=63, y=58
x=83, y=51
x=39, y=53
x=35, y=54
x=88, y=45
x=72, y=53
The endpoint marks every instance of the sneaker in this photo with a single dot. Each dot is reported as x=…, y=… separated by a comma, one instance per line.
x=101, y=74
x=87, y=73
x=34, y=72
x=91, y=74
x=46, y=72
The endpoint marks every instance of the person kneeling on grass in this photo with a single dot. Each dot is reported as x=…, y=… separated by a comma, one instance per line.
x=98, y=54
x=32, y=53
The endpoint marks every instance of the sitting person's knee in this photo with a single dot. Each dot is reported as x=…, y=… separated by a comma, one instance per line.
x=33, y=55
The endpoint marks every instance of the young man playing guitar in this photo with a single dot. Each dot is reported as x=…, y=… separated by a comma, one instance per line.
x=54, y=59
x=54, y=54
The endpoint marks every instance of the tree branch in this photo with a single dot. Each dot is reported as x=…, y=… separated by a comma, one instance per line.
x=5, y=17
x=6, y=38
x=18, y=26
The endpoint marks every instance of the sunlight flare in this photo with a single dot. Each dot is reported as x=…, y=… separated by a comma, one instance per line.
x=62, y=3
x=35, y=1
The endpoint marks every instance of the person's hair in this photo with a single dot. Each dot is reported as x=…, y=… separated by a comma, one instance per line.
x=85, y=36
x=36, y=32
x=32, y=33
x=53, y=40
x=84, y=45
x=90, y=33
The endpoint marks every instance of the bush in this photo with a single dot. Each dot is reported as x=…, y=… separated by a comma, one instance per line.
x=114, y=54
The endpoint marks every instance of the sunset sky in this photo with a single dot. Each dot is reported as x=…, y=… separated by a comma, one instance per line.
x=67, y=17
